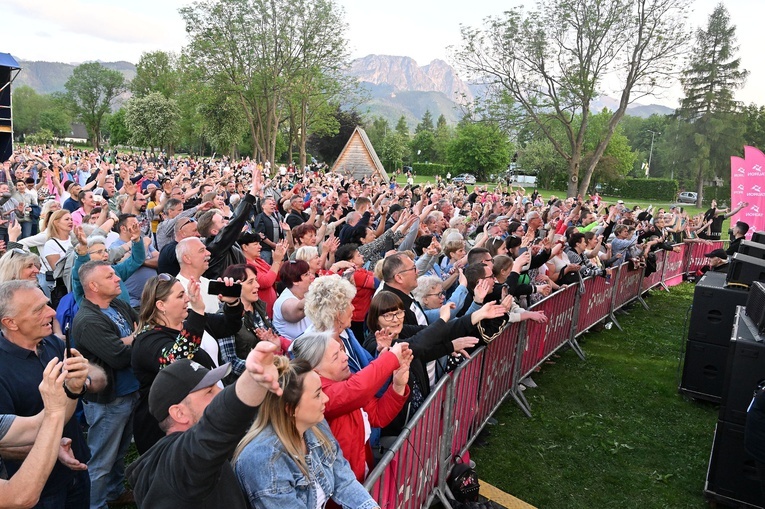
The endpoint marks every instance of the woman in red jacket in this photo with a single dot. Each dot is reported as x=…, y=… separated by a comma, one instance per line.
x=267, y=274
x=365, y=281
x=353, y=407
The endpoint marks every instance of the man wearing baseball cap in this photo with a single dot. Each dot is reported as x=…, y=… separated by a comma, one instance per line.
x=190, y=466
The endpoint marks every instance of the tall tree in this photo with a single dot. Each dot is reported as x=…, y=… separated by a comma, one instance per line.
x=152, y=120
x=91, y=89
x=155, y=72
x=265, y=53
x=712, y=75
x=479, y=147
x=552, y=63
x=426, y=124
x=402, y=127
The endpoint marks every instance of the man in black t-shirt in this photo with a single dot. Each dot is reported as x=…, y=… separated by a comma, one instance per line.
x=718, y=216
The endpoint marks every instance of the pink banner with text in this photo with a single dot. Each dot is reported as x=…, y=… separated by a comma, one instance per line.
x=747, y=184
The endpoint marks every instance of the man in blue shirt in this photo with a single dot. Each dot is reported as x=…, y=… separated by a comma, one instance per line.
x=104, y=330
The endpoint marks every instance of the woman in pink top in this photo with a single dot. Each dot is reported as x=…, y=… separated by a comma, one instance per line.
x=267, y=274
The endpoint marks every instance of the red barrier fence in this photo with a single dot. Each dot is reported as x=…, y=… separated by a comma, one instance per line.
x=655, y=278
x=674, y=266
x=542, y=339
x=695, y=258
x=627, y=287
x=595, y=302
x=408, y=476
x=414, y=470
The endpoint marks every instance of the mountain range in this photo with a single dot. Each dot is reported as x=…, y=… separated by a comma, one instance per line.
x=395, y=86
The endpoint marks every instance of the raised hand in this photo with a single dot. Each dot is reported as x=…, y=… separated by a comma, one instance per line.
x=195, y=297
x=462, y=344
x=260, y=367
x=52, y=387
x=445, y=312
x=482, y=289
x=228, y=281
x=76, y=370
x=488, y=311
x=401, y=351
x=384, y=338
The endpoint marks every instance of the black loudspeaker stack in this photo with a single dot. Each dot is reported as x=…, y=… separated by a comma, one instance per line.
x=709, y=337
x=9, y=68
x=732, y=478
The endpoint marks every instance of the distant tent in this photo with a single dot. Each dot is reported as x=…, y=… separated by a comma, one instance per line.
x=359, y=159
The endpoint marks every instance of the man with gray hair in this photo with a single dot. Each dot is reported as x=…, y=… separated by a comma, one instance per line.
x=534, y=222
x=27, y=345
x=105, y=329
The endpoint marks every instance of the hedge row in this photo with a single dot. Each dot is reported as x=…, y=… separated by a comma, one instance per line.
x=431, y=170
x=642, y=189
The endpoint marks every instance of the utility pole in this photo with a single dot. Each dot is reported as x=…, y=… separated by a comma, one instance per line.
x=650, y=153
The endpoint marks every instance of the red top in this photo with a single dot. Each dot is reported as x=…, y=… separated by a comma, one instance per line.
x=266, y=279
x=347, y=398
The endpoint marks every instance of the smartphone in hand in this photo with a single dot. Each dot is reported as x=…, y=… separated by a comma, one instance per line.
x=220, y=288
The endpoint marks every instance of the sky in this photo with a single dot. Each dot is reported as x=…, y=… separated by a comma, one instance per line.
x=80, y=30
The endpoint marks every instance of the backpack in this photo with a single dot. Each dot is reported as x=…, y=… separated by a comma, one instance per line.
x=65, y=312
x=463, y=483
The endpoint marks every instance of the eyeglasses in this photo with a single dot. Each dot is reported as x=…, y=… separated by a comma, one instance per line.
x=18, y=251
x=414, y=267
x=97, y=251
x=392, y=316
x=440, y=294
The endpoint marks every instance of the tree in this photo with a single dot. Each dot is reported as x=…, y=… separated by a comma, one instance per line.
x=155, y=72
x=709, y=80
x=329, y=146
x=268, y=54
x=91, y=90
x=27, y=107
x=479, y=147
x=443, y=138
x=552, y=63
x=426, y=124
x=119, y=134
x=224, y=122
x=754, y=119
x=57, y=121
x=377, y=131
x=402, y=128
x=152, y=120
x=394, y=149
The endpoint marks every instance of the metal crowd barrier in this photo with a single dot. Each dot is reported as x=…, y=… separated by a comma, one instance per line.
x=413, y=472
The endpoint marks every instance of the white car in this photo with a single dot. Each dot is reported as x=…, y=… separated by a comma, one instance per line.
x=466, y=178
x=687, y=197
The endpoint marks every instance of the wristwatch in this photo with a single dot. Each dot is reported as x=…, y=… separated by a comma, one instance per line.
x=72, y=395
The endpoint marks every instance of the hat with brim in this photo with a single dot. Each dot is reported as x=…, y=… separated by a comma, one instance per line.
x=177, y=381
x=717, y=253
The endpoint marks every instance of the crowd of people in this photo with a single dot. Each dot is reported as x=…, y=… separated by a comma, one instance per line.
x=260, y=333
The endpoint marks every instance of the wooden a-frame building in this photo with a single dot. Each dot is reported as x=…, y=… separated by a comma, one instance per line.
x=359, y=159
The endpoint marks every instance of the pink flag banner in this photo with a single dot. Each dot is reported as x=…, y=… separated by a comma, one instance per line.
x=747, y=183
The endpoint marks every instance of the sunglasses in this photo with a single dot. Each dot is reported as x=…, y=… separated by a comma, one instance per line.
x=18, y=251
x=165, y=277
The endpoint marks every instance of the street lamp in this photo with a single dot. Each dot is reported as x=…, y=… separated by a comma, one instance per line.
x=650, y=153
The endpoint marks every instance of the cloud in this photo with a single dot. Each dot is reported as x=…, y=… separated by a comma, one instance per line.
x=98, y=19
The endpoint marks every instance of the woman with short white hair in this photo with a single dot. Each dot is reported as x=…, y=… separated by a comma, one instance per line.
x=328, y=305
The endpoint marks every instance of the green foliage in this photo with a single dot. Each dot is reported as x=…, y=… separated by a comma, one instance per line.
x=155, y=72
x=426, y=124
x=402, y=128
x=41, y=137
x=754, y=119
x=224, y=122
x=642, y=189
x=431, y=170
x=152, y=120
x=119, y=134
x=27, y=106
x=56, y=121
x=719, y=193
x=394, y=148
x=480, y=148
x=91, y=90
x=329, y=146
x=423, y=146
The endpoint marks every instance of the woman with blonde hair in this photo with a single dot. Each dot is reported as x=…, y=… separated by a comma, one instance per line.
x=59, y=241
x=289, y=458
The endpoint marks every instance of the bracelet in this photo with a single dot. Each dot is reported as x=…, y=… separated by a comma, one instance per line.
x=72, y=395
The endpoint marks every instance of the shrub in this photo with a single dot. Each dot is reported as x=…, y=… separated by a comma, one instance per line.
x=431, y=170
x=642, y=189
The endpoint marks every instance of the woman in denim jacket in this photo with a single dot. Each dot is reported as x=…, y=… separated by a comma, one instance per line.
x=289, y=459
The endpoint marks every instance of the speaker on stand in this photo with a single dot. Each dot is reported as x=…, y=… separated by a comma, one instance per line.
x=709, y=334
x=732, y=477
x=9, y=69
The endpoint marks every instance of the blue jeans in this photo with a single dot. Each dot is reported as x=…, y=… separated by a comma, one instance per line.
x=111, y=428
x=267, y=256
x=76, y=495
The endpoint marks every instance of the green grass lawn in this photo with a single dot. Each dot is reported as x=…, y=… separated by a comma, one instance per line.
x=611, y=431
